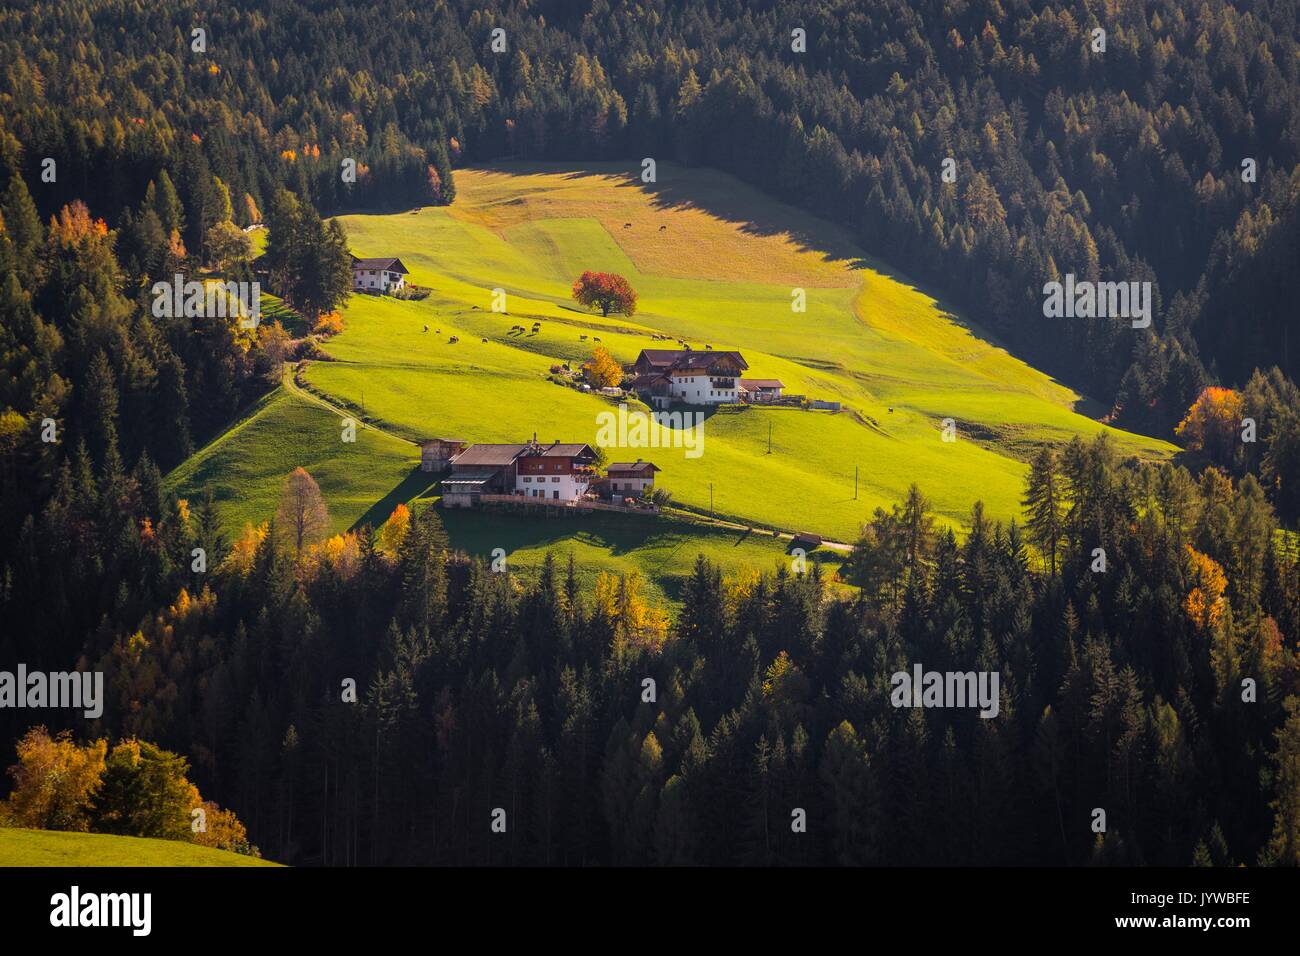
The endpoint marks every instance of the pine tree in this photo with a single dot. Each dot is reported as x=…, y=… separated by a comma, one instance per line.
x=162, y=195
x=100, y=407
x=1044, y=505
x=1284, y=843
x=21, y=223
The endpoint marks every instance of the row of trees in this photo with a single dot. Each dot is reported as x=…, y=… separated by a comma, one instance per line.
x=84, y=358
x=374, y=697
x=1124, y=162
x=986, y=151
x=134, y=789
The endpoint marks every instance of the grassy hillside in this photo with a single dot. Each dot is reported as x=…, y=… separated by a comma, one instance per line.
x=56, y=848
x=662, y=549
x=714, y=263
x=246, y=465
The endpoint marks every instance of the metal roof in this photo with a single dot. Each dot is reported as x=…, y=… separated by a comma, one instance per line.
x=488, y=455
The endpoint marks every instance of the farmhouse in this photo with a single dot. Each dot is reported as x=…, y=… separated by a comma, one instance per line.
x=556, y=472
x=760, y=390
x=693, y=378
x=436, y=453
x=378, y=275
x=480, y=470
x=631, y=479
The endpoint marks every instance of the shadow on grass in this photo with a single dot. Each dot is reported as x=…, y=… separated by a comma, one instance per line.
x=756, y=213
x=417, y=484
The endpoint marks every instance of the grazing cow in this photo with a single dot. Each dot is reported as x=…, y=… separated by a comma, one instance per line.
x=426, y=328
x=582, y=338
x=709, y=347
x=663, y=228
x=891, y=411
x=485, y=341
x=595, y=338
x=455, y=339
x=627, y=225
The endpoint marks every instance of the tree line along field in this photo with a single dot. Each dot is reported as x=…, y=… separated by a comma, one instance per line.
x=714, y=262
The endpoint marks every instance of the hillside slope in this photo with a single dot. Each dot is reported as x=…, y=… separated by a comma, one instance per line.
x=58, y=848
x=715, y=263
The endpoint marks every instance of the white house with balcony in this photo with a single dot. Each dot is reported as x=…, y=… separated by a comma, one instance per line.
x=378, y=275
x=556, y=472
x=689, y=377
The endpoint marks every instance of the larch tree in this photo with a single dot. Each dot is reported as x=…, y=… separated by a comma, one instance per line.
x=1044, y=507
x=602, y=371
x=302, y=516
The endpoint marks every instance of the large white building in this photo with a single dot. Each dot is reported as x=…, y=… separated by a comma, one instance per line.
x=378, y=275
x=556, y=472
x=689, y=377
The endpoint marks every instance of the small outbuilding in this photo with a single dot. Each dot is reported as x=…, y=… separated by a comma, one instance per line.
x=436, y=453
x=633, y=478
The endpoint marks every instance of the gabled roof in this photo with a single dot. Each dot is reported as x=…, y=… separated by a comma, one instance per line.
x=488, y=456
x=665, y=359
x=557, y=450
x=632, y=468
x=761, y=383
x=386, y=265
x=661, y=358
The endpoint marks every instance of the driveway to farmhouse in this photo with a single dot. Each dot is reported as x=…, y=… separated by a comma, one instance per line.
x=301, y=392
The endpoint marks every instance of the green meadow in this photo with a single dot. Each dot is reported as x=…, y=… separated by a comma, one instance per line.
x=59, y=848
x=715, y=263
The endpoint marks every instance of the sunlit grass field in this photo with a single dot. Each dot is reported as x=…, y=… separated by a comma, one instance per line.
x=714, y=263
x=57, y=848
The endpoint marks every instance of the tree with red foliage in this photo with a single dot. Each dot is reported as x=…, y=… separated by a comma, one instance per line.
x=605, y=291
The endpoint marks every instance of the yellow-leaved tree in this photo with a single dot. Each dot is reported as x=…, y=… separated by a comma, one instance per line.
x=602, y=371
x=1211, y=424
x=1204, y=603
x=54, y=781
x=637, y=623
x=393, y=533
